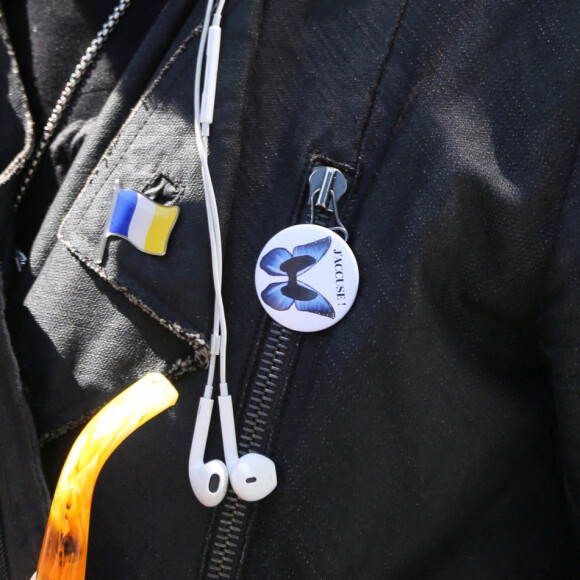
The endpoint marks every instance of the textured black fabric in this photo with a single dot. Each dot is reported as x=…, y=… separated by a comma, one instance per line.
x=15, y=119
x=23, y=495
x=49, y=39
x=432, y=433
x=24, y=499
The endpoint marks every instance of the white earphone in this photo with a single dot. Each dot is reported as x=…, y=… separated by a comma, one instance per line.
x=209, y=481
x=252, y=476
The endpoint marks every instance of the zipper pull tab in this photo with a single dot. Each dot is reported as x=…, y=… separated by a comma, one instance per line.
x=327, y=186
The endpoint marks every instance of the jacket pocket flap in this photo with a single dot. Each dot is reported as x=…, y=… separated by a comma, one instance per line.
x=154, y=153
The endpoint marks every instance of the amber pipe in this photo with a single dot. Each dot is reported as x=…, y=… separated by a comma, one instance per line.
x=64, y=549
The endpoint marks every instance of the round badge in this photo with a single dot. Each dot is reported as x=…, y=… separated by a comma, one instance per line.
x=307, y=278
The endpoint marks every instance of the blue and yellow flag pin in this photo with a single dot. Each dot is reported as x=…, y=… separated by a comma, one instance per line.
x=144, y=223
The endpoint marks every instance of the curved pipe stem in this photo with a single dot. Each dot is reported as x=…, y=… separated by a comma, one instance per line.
x=64, y=549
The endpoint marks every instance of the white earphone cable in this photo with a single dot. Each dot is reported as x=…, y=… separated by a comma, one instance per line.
x=252, y=476
x=219, y=338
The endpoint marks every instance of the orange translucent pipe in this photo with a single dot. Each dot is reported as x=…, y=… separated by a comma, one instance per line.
x=64, y=549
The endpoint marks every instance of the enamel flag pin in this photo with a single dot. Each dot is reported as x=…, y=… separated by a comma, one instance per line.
x=139, y=220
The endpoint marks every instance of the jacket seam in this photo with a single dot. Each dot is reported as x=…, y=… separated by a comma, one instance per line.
x=194, y=339
x=179, y=367
x=178, y=52
x=379, y=79
x=19, y=161
x=63, y=429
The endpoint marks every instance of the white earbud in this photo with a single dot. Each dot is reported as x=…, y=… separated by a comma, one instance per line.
x=209, y=481
x=252, y=476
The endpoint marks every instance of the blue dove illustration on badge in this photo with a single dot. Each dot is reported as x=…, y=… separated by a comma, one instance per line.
x=282, y=295
x=306, y=278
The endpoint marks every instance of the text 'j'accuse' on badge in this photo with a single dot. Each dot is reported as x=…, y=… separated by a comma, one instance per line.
x=307, y=278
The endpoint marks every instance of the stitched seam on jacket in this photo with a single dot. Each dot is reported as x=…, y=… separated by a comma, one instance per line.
x=379, y=79
x=194, y=339
x=16, y=165
x=69, y=426
x=179, y=367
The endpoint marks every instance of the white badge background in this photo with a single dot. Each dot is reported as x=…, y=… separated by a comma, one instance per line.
x=321, y=277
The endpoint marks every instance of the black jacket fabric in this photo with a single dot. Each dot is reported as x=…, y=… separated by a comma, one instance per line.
x=434, y=432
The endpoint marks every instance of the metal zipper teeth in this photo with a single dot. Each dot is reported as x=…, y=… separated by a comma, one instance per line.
x=266, y=384
x=65, y=98
x=222, y=559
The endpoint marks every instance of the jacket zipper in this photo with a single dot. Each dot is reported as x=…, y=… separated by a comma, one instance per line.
x=266, y=385
x=279, y=354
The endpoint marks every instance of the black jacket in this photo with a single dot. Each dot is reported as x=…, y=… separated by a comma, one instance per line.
x=435, y=431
